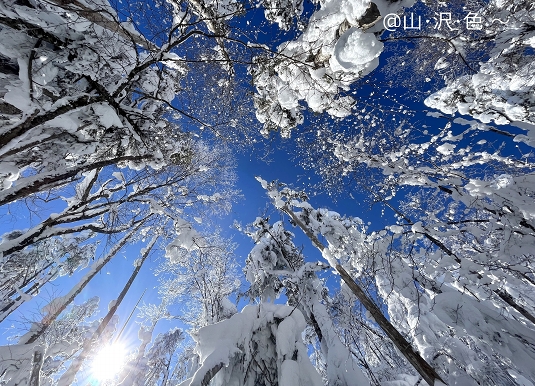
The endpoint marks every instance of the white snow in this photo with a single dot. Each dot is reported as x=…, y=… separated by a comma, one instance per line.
x=356, y=51
x=446, y=148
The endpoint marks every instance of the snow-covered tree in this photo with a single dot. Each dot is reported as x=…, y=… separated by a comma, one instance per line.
x=160, y=357
x=275, y=264
x=56, y=347
x=248, y=349
x=197, y=277
x=104, y=126
x=501, y=90
x=470, y=216
x=88, y=100
x=201, y=276
x=262, y=344
x=454, y=324
x=95, y=121
x=337, y=47
x=25, y=273
x=137, y=367
x=86, y=95
x=112, y=205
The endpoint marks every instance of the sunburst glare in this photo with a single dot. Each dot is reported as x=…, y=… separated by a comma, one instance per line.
x=108, y=361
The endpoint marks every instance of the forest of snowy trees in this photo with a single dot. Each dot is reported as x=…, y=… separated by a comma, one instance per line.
x=120, y=125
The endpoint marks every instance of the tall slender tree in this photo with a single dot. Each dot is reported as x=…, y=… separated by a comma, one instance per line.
x=421, y=306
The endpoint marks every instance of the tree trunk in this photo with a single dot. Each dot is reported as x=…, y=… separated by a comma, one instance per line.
x=68, y=377
x=67, y=299
x=36, y=368
x=425, y=370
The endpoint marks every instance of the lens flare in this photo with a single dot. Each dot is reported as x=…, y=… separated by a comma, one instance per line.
x=108, y=361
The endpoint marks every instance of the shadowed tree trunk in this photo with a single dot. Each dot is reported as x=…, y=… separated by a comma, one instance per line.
x=426, y=371
x=36, y=368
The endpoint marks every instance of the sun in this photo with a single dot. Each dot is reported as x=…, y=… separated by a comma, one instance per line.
x=108, y=361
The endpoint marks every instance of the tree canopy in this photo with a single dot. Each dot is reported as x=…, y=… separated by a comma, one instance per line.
x=124, y=125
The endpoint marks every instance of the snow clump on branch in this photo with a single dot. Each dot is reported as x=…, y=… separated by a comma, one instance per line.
x=338, y=47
